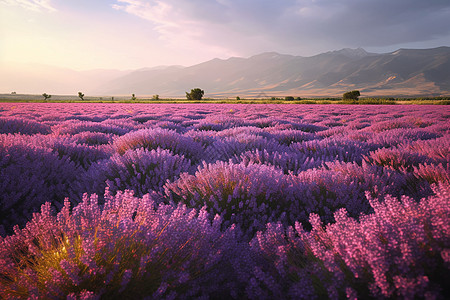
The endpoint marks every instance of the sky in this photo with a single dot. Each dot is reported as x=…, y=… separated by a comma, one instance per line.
x=132, y=34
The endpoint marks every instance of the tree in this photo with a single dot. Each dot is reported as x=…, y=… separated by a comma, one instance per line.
x=155, y=97
x=352, y=95
x=133, y=97
x=289, y=98
x=46, y=96
x=81, y=95
x=195, y=94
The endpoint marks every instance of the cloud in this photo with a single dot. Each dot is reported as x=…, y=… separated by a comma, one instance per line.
x=254, y=24
x=34, y=5
x=378, y=22
x=192, y=25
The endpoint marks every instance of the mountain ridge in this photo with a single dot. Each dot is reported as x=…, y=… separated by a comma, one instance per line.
x=404, y=72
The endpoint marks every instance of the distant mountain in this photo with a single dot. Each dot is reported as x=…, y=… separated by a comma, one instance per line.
x=405, y=72
x=38, y=78
x=400, y=73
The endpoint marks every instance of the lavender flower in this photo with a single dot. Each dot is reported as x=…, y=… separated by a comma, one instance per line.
x=248, y=195
x=29, y=178
x=162, y=138
x=214, y=201
x=131, y=247
x=139, y=170
x=19, y=125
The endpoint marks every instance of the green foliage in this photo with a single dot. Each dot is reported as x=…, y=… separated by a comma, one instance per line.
x=443, y=102
x=46, y=96
x=376, y=101
x=238, y=98
x=352, y=95
x=195, y=94
x=155, y=97
x=133, y=97
x=307, y=102
x=289, y=98
x=81, y=95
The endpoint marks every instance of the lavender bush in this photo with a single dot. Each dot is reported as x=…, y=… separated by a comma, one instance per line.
x=23, y=126
x=247, y=195
x=399, y=251
x=29, y=178
x=159, y=138
x=224, y=201
x=139, y=170
x=129, y=248
x=288, y=161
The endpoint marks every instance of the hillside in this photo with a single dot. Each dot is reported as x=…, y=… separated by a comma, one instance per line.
x=405, y=72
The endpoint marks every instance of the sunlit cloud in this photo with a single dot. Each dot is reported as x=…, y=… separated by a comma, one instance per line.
x=187, y=32
x=184, y=24
x=34, y=5
x=292, y=23
x=156, y=11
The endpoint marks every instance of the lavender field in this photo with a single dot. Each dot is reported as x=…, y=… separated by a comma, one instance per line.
x=224, y=201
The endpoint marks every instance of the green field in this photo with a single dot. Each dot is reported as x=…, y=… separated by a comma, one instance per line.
x=28, y=98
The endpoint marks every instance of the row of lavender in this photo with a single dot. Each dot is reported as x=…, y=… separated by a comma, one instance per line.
x=243, y=201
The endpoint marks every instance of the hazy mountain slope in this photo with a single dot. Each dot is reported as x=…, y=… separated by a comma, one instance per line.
x=403, y=72
x=38, y=78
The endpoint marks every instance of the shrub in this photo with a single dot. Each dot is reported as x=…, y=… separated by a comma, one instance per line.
x=159, y=138
x=229, y=147
x=331, y=149
x=92, y=138
x=289, y=136
x=30, y=176
x=195, y=94
x=438, y=150
x=22, y=126
x=289, y=162
x=352, y=95
x=247, y=195
x=139, y=170
x=128, y=248
x=394, y=137
x=344, y=185
x=364, y=178
x=433, y=173
x=401, y=250
x=396, y=159
x=72, y=127
x=81, y=155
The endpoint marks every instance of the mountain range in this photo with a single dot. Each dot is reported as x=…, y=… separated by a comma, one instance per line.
x=405, y=72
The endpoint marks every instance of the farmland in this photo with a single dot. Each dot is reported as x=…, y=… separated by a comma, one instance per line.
x=260, y=201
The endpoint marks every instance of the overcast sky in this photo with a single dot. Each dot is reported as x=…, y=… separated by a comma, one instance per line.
x=130, y=34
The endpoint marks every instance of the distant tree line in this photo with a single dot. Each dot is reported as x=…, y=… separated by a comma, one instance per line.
x=348, y=97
